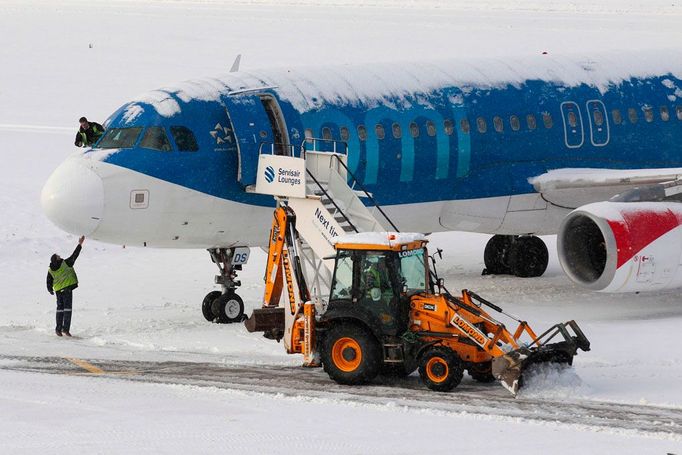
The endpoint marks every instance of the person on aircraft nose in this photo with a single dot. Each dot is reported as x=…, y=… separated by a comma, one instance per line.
x=88, y=133
x=62, y=280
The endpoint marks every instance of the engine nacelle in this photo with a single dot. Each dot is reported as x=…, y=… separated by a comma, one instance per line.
x=623, y=246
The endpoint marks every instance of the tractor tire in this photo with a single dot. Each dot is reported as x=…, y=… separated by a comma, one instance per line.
x=351, y=354
x=206, y=305
x=495, y=255
x=482, y=372
x=440, y=369
x=528, y=257
x=230, y=308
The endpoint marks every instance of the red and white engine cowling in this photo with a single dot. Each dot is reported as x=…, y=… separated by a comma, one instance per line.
x=623, y=246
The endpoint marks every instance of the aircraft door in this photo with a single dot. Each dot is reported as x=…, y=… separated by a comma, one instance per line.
x=252, y=127
x=599, y=123
x=573, y=124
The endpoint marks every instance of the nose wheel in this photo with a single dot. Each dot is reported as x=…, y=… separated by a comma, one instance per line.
x=226, y=306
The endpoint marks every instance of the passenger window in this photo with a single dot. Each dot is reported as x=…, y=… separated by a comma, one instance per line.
x=572, y=121
x=547, y=120
x=326, y=133
x=632, y=115
x=345, y=134
x=362, y=132
x=678, y=112
x=430, y=128
x=397, y=132
x=648, y=114
x=481, y=125
x=379, y=129
x=598, y=118
x=414, y=129
x=531, y=122
x=515, y=123
x=617, y=118
x=184, y=139
x=464, y=125
x=497, y=123
x=122, y=138
x=665, y=114
x=448, y=127
x=155, y=138
x=308, y=135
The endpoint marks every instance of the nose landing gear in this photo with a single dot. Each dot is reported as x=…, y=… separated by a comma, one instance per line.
x=226, y=306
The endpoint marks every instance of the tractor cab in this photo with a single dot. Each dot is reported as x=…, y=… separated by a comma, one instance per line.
x=375, y=276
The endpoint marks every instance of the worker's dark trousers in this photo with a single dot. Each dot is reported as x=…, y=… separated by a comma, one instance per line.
x=64, y=300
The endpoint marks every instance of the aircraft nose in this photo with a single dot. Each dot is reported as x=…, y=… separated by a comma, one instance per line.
x=73, y=198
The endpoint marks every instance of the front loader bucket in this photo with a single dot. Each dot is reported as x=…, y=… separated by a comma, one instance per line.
x=509, y=368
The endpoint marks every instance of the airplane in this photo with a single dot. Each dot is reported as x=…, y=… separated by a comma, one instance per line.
x=586, y=148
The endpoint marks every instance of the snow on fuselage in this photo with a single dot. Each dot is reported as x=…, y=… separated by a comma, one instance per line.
x=442, y=146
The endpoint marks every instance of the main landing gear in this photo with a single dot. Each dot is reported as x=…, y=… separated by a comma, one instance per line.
x=522, y=256
x=226, y=306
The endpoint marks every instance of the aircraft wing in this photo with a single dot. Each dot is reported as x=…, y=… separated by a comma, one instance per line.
x=573, y=187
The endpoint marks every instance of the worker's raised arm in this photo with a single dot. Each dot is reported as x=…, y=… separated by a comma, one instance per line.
x=71, y=259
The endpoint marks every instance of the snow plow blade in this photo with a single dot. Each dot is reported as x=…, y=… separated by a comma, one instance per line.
x=509, y=368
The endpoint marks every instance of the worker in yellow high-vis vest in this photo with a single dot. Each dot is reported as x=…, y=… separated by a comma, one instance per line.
x=62, y=280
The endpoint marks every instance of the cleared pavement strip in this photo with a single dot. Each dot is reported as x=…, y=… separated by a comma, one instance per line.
x=469, y=398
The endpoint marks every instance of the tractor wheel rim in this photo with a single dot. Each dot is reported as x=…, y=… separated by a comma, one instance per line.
x=346, y=354
x=437, y=369
x=232, y=308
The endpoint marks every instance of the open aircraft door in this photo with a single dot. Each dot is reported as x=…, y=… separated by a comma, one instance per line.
x=252, y=127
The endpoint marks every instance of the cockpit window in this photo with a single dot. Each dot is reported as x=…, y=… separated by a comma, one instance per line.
x=119, y=138
x=155, y=138
x=184, y=138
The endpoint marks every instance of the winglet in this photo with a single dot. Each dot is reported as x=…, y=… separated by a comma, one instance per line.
x=235, y=65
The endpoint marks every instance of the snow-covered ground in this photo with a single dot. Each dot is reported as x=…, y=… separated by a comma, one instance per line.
x=61, y=60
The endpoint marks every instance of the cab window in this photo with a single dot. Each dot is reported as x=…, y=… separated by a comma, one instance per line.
x=184, y=138
x=119, y=138
x=343, y=277
x=413, y=270
x=155, y=138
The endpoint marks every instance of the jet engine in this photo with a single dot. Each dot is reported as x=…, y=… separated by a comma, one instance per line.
x=623, y=246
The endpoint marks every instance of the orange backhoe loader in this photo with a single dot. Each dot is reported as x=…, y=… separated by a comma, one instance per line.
x=388, y=313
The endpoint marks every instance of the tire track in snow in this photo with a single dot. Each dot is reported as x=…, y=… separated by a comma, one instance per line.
x=468, y=399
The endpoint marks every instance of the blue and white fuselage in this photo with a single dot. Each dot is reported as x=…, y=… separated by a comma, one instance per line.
x=452, y=145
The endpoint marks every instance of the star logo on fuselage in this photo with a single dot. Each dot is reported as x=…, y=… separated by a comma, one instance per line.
x=221, y=134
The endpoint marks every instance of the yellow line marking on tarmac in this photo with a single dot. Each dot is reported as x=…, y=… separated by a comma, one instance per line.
x=85, y=365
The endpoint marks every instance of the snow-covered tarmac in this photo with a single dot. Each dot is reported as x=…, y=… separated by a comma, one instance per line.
x=137, y=304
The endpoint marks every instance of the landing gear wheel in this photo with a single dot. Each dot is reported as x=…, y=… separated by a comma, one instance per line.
x=440, y=369
x=496, y=254
x=351, y=354
x=482, y=372
x=230, y=308
x=528, y=257
x=206, y=305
